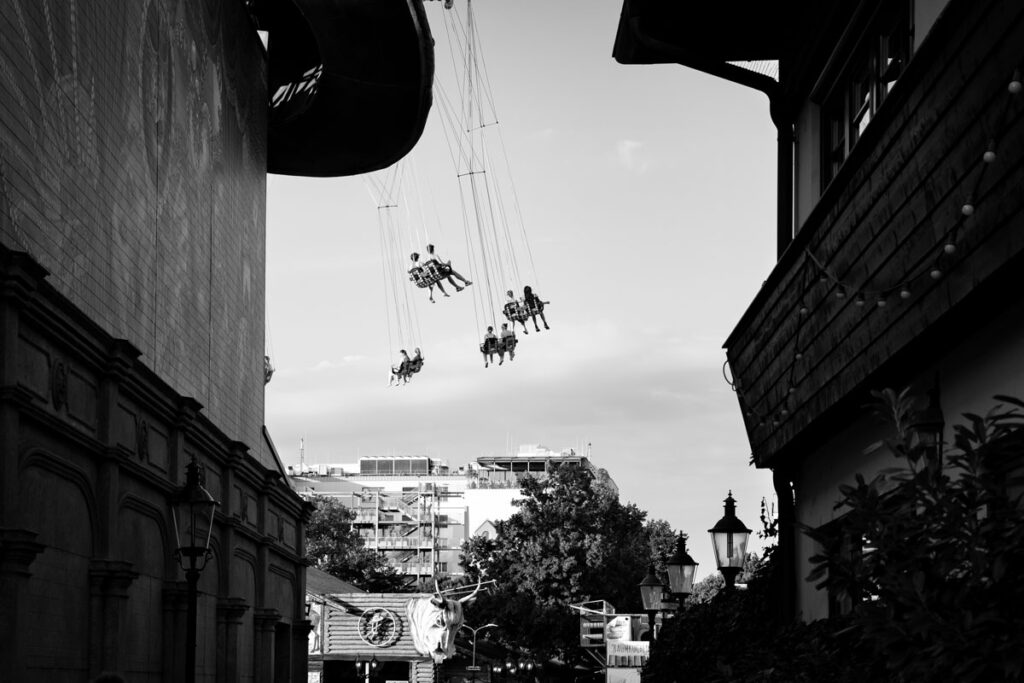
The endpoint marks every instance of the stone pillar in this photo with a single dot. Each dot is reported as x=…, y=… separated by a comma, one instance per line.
x=108, y=599
x=300, y=650
x=265, y=620
x=229, y=617
x=18, y=549
x=175, y=600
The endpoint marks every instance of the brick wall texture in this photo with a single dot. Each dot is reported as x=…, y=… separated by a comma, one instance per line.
x=133, y=167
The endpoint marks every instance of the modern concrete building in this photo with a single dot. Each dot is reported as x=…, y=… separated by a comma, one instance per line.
x=417, y=511
x=135, y=140
x=900, y=216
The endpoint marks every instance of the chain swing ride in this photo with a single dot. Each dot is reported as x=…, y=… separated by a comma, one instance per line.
x=495, y=234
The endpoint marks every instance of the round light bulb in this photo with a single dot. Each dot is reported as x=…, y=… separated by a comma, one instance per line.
x=803, y=310
x=904, y=293
x=859, y=300
x=1014, y=87
x=989, y=156
x=881, y=303
x=936, y=273
x=967, y=209
x=799, y=355
x=949, y=248
x=840, y=294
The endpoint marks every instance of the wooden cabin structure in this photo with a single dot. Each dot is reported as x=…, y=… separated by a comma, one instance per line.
x=900, y=224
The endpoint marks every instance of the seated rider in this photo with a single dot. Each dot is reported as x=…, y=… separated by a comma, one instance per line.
x=445, y=269
x=416, y=364
x=490, y=346
x=402, y=371
x=418, y=275
x=534, y=307
x=515, y=311
x=507, y=343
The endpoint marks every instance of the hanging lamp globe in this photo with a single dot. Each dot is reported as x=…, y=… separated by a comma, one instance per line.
x=192, y=514
x=729, y=538
x=651, y=590
x=681, y=570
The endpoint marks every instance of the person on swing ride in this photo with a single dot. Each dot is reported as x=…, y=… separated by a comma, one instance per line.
x=418, y=275
x=489, y=346
x=514, y=311
x=507, y=343
x=445, y=269
x=416, y=364
x=534, y=306
x=401, y=373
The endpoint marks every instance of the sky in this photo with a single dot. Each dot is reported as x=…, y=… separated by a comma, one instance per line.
x=647, y=195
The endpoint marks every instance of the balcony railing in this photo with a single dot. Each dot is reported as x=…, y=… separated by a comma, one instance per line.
x=890, y=261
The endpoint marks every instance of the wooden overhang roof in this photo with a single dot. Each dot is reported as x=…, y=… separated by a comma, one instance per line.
x=350, y=83
x=658, y=31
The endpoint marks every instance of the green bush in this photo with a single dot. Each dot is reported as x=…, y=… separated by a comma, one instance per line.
x=933, y=551
x=927, y=560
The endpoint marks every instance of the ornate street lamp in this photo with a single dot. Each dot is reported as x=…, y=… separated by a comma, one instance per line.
x=929, y=424
x=364, y=669
x=473, y=667
x=729, y=538
x=192, y=514
x=681, y=569
x=652, y=592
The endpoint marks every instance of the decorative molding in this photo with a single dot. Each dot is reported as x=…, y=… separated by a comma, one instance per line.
x=111, y=577
x=141, y=438
x=231, y=610
x=18, y=549
x=59, y=384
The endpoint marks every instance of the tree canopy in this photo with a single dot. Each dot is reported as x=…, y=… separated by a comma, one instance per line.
x=570, y=541
x=333, y=546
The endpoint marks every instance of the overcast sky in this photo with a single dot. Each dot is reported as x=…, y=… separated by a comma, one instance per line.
x=648, y=200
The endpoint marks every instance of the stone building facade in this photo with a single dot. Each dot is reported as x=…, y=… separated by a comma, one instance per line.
x=133, y=156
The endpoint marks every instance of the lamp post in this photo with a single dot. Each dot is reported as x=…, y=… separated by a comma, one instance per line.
x=729, y=538
x=192, y=514
x=364, y=669
x=929, y=424
x=474, y=668
x=681, y=570
x=651, y=593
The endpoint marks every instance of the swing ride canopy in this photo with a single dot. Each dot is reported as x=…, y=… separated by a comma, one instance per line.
x=350, y=83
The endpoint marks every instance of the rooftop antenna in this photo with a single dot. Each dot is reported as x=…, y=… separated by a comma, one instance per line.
x=588, y=450
x=302, y=454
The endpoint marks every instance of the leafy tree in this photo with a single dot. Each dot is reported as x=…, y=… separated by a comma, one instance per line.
x=929, y=552
x=571, y=541
x=662, y=542
x=333, y=546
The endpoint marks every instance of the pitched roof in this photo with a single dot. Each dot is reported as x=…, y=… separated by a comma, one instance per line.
x=321, y=583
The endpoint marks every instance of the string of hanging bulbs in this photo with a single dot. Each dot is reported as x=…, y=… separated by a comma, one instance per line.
x=816, y=272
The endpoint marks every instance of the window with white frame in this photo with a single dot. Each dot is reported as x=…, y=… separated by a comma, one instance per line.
x=876, y=62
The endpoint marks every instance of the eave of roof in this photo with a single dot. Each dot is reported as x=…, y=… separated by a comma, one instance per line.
x=655, y=32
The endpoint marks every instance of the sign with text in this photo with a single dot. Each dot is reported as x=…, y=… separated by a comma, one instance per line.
x=628, y=653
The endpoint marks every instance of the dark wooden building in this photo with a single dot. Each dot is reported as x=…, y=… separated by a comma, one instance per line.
x=900, y=223
x=135, y=141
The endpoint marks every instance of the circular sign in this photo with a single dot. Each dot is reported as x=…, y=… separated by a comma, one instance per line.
x=379, y=627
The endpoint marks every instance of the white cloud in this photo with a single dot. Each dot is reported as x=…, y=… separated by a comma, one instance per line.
x=629, y=153
x=335, y=365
